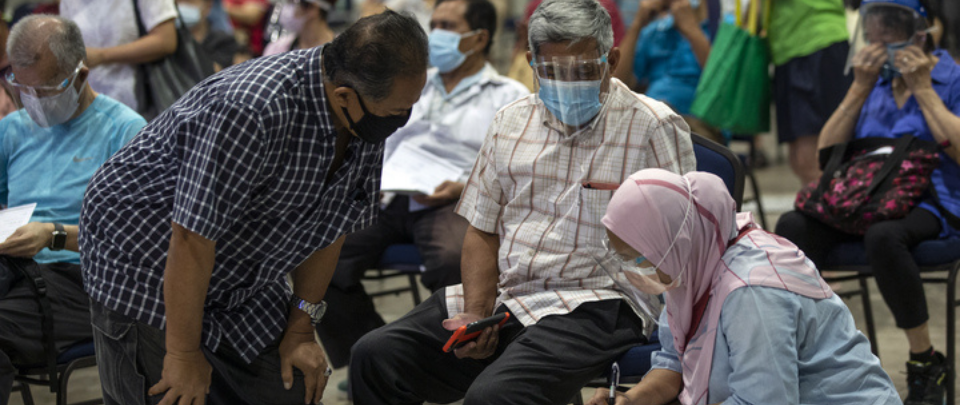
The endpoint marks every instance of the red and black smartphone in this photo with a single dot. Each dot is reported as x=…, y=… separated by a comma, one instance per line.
x=469, y=332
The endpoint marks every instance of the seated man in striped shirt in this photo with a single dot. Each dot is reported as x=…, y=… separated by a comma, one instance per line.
x=534, y=201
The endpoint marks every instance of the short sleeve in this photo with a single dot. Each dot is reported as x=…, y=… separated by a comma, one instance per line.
x=671, y=146
x=155, y=12
x=221, y=152
x=481, y=202
x=127, y=131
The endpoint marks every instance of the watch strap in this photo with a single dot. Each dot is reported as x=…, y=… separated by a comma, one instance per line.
x=59, y=240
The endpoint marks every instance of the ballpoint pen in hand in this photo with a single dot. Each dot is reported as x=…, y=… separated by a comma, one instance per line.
x=614, y=383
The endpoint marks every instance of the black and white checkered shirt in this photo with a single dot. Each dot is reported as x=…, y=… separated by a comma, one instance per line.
x=241, y=159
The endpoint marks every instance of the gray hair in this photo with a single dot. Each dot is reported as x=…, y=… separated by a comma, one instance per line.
x=63, y=38
x=570, y=20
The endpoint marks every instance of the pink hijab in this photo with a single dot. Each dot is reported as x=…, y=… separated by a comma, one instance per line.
x=646, y=212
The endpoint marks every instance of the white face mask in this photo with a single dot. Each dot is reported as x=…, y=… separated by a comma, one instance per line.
x=649, y=281
x=53, y=110
x=289, y=19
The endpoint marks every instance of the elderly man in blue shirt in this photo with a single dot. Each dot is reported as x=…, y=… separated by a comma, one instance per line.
x=190, y=231
x=462, y=94
x=48, y=152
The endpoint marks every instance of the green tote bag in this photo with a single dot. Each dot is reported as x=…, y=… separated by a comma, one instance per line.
x=734, y=89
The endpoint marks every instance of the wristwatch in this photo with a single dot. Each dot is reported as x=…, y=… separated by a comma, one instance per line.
x=59, y=240
x=315, y=311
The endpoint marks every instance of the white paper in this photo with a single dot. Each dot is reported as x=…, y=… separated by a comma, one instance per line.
x=13, y=218
x=410, y=170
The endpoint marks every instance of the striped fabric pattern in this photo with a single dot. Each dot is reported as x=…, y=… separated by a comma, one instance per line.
x=544, y=193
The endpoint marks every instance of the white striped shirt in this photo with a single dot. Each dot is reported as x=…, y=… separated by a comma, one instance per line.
x=544, y=193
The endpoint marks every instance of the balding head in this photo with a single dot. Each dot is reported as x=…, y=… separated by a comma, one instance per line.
x=52, y=45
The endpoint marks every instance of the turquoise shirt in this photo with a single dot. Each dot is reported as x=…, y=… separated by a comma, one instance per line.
x=777, y=347
x=51, y=166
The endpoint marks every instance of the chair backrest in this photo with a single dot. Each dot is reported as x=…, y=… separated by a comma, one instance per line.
x=717, y=159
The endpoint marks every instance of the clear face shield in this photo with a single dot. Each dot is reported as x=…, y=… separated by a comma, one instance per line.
x=891, y=25
x=637, y=276
x=45, y=105
x=571, y=87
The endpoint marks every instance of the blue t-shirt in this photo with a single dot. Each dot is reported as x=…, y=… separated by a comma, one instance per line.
x=51, y=166
x=665, y=60
x=880, y=117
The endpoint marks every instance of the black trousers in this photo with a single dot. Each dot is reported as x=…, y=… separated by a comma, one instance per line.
x=130, y=360
x=20, y=320
x=888, y=246
x=546, y=363
x=438, y=234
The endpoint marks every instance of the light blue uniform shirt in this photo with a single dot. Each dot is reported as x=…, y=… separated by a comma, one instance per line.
x=777, y=347
x=51, y=166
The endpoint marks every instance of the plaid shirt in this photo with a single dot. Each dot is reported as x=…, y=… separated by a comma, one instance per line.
x=544, y=193
x=241, y=159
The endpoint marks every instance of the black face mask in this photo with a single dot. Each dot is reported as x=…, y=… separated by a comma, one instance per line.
x=374, y=128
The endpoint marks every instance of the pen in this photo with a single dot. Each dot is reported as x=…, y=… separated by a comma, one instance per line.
x=614, y=383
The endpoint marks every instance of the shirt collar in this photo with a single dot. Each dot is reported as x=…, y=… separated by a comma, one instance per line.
x=480, y=78
x=314, y=89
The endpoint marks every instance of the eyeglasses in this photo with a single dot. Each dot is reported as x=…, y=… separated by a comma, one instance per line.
x=626, y=262
x=570, y=69
x=40, y=91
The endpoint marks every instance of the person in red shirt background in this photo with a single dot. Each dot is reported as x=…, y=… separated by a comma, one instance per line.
x=249, y=19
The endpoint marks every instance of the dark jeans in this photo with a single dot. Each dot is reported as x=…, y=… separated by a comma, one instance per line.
x=130, y=358
x=438, y=234
x=545, y=363
x=21, y=342
x=888, y=246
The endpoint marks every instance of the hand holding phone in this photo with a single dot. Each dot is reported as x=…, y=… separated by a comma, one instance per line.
x=467, y=333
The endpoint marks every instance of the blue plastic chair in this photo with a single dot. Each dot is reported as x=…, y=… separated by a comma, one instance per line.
x=397, y=261
x=932, y=256
x=713, y=158
x=78, y=356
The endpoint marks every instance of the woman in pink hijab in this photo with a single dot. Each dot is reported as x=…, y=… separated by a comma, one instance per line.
x=748, y=320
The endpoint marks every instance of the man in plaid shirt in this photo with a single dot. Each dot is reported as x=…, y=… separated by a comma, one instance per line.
x=538, y=190
x=189, y=232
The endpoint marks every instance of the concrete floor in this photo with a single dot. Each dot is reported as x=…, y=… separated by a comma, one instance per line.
x=778, y=187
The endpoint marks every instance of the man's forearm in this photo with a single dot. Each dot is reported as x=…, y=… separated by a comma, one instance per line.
x=186, y=278
x=310, y=281
x=479, y=271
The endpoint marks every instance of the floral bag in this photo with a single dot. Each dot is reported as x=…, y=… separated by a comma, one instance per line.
x=869, y=180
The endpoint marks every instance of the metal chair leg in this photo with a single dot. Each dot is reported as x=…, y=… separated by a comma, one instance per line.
x=414, y=289
x=868, y=316
x=756, y=197
x=24, y=393
x=951, y=333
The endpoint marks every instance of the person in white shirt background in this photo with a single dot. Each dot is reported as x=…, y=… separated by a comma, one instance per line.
x=457, y=105
x=114, y=44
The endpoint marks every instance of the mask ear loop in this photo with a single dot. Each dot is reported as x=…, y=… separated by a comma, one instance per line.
x=686, y=215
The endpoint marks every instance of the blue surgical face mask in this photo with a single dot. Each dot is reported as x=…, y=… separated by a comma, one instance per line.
x=190, y=14
x=445, y=52
x=889, y=70
x=573, y=103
